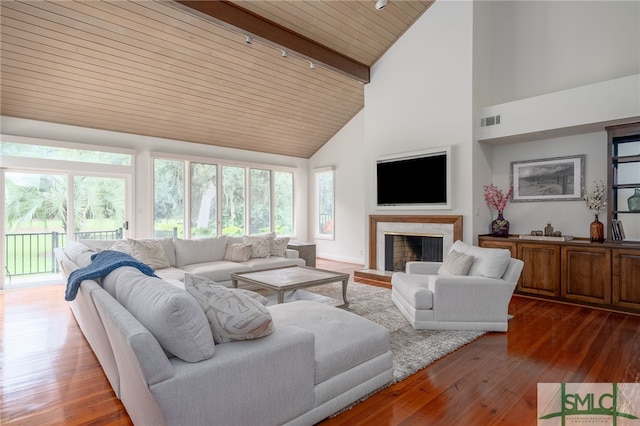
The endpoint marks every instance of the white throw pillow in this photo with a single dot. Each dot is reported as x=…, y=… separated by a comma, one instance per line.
x=456, y=264
x=261, y=245
x=279, y=246
x=487, y=262
x=121, y=245
x=150, y=252
x=232, y=314
x=238, y=252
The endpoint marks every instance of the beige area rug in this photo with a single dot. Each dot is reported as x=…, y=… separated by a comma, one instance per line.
x=412, y=349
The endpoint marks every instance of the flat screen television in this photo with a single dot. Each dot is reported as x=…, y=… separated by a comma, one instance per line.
x=414, y=179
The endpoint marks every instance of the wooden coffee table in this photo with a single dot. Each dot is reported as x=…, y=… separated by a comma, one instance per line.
x=292, y=278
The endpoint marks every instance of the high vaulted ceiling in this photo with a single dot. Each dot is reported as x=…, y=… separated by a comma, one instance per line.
x=184, y=70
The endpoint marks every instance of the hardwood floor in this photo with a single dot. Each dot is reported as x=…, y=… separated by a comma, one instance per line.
x=49, y=376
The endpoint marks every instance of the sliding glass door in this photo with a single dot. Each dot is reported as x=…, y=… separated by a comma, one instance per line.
x=44, y=210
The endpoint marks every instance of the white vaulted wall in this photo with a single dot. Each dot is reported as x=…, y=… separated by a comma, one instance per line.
x=461, y=60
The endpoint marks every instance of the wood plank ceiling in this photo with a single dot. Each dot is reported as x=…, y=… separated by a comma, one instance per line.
x=159, y=68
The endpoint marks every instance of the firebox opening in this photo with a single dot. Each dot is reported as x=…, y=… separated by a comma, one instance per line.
x=400, y=249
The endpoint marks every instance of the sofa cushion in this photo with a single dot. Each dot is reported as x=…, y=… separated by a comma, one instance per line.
x=343, y=340
x=414, y=288
x=169, y=249
x=238, y=252
x=150, y=252
x=170, y=274
x=272, y=262
x=279, y=246
x=198, y=251
x=456, y=264
x=79, y=253
x=261, y=244
x=216, y=271
x=232, y=314
x=487, y=262
x=169, y=313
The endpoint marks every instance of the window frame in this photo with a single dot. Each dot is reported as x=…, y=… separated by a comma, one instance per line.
x=317, y=205
x=219, y=163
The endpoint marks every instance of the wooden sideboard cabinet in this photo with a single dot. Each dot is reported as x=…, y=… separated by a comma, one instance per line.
x=605, y=275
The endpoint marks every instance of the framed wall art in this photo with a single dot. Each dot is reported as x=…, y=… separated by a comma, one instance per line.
x=549, y=179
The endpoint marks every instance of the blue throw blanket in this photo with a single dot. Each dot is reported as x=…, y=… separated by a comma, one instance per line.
x=101, y=265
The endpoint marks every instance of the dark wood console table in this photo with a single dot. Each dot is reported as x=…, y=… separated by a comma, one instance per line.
x=604, y=275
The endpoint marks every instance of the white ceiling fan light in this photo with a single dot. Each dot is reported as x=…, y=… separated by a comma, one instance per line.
x=380, y=4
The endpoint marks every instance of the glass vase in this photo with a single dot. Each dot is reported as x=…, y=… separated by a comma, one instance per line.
x=500, y=226
x=634, y=201
x=597, y=231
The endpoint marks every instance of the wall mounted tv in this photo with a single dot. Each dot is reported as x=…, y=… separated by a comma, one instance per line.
x=419, y=179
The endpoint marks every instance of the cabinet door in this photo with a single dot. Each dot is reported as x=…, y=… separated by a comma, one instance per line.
x=586, y=274
x=541, y=273
x=626, y=278
x=506, y=244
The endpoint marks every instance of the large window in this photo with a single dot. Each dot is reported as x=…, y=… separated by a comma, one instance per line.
x=233, y=200
x=283, y=203
x=222, y=199
x=260, y=201
x=53, y=192
x=168, y=181
x=324, y=189
x=204, y=200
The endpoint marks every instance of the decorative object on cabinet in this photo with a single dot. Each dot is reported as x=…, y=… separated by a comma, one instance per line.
x=500, y=226
x=552, y=179
x=545, y=238
x=497, y=200
x=617, y=230
x=548, y=230
x=596, y=231
x=633, y=202
x=596, y=202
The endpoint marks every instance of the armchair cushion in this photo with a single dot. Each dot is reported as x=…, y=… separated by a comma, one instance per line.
x=414, y=289
x=487, y=262
x=456, y=264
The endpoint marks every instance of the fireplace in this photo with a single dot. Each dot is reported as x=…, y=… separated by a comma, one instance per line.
x=401, y=248
x=447, y=229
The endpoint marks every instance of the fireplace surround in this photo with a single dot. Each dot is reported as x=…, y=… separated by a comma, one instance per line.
x=449, y=226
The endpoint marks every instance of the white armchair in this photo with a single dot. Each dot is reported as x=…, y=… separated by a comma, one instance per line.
x=470, y=290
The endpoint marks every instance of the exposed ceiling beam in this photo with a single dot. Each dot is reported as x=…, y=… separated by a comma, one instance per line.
x=240, y=20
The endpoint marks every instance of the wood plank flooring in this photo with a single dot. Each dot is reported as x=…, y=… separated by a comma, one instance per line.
x=49, y=376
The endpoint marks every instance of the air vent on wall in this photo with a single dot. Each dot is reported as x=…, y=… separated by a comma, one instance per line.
x=490, y=121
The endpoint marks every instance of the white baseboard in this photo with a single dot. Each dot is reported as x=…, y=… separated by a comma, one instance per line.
x=346, y=259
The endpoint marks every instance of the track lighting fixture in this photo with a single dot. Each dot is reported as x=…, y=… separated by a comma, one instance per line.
x=380, y=4
x=284, y=53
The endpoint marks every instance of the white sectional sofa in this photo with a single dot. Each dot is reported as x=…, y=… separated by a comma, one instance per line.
x=155, y=344
x=205, y=257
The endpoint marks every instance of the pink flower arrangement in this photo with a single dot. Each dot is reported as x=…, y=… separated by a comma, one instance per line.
x=495, y=198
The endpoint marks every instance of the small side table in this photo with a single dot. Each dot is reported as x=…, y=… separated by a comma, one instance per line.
x=307, y=251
